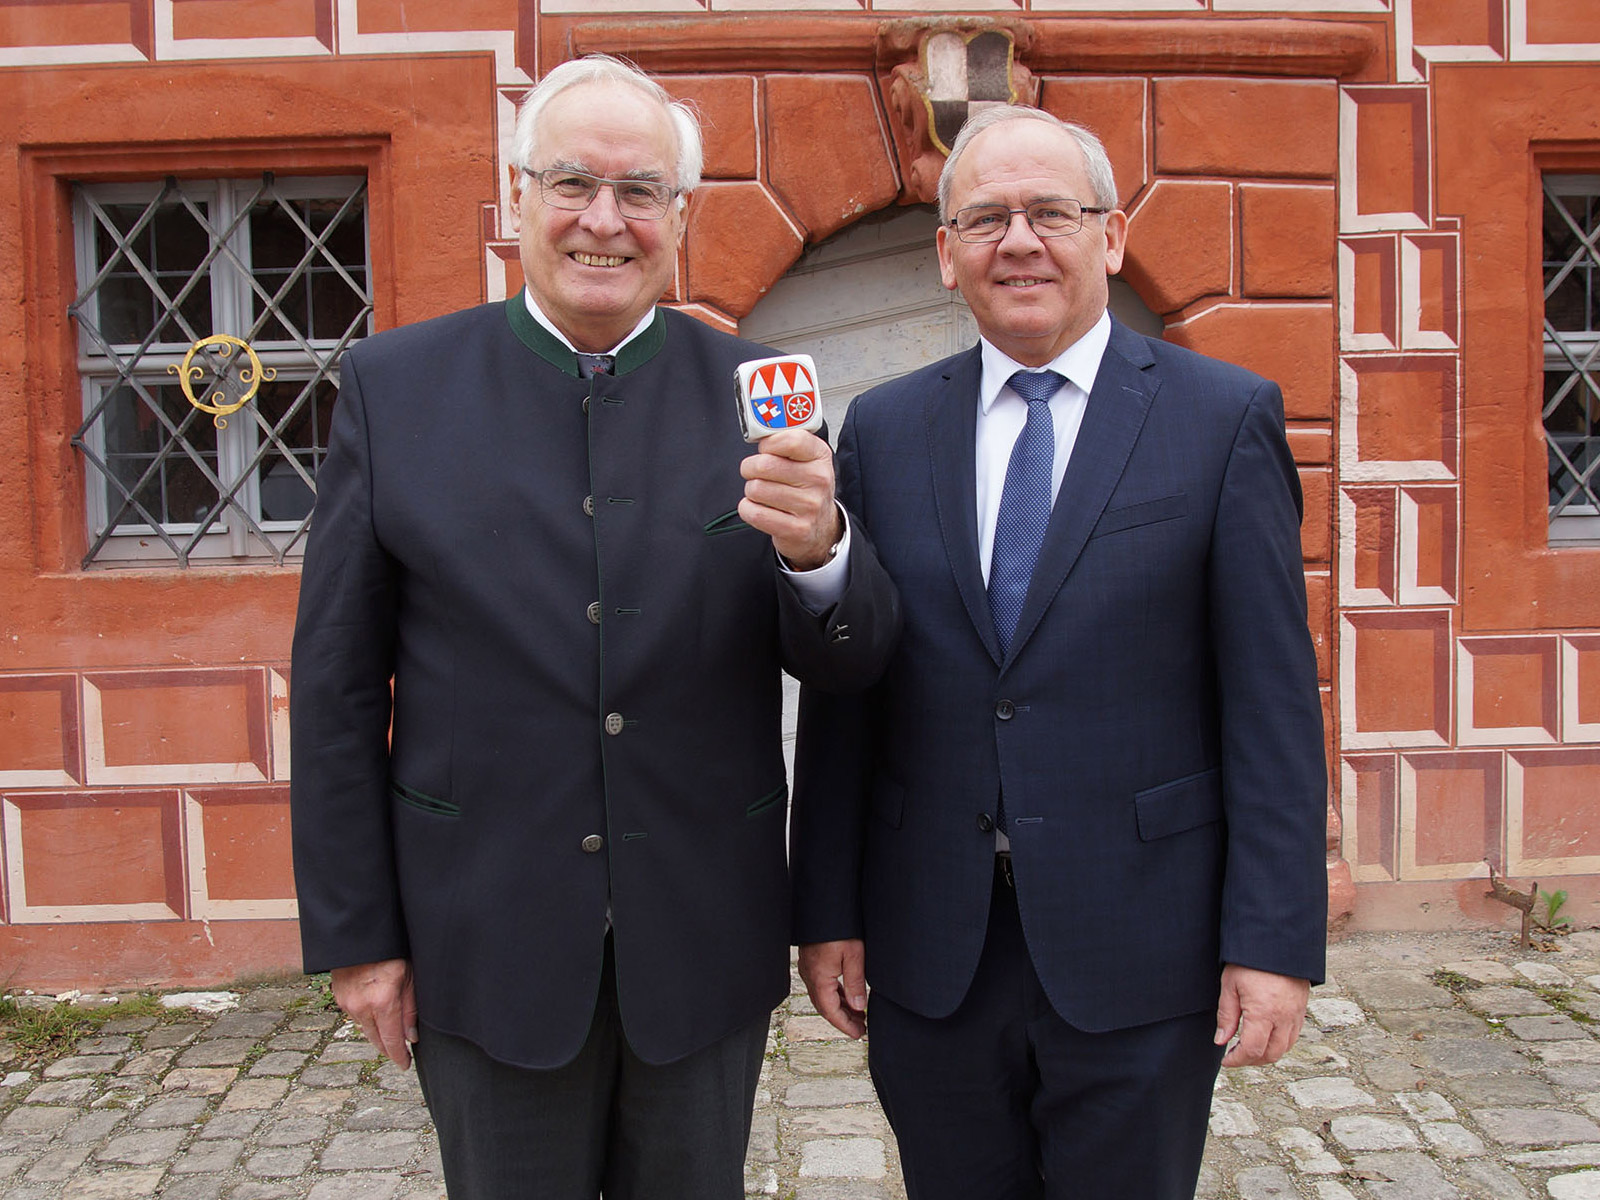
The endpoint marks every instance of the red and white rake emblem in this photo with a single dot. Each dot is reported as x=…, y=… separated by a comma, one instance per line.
x=778, y=393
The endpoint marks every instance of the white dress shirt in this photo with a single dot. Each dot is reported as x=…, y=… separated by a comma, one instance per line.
x=1002, y=413
x=1001, y=416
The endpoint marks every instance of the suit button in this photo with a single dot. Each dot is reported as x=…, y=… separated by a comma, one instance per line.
x=586, y=404
x=985, y=823
x=592, y=843
x=613, y=723
x=1005, y=710
x=594, y=613
x=588, y=506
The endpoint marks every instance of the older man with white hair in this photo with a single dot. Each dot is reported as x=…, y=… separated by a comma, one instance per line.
x=538, y=790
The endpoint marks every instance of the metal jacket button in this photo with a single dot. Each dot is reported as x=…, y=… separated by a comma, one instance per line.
x=1005, y=710
x=592, y=843
x=588, y=506
x=594, y=613
x=613, y=723
x=985, y=823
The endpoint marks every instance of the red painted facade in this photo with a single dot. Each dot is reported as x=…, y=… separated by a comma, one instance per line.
x=1342, y=194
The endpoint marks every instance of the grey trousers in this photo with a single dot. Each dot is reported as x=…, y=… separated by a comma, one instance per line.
x=604, y=1124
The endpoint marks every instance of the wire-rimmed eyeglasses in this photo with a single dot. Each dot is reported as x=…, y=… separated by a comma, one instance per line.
x=641, y=199
x=1047, y=218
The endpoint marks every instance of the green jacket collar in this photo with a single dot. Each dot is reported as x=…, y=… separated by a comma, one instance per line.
x=548, y=347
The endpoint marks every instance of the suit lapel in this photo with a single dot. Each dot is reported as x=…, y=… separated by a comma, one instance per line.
x=950, y=418
x=1123, y=391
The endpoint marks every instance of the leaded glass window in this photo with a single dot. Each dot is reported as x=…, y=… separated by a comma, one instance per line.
x=279, y=266
x=1572, y=354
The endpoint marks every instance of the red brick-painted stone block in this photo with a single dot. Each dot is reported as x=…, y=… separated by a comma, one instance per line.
x=1401, y=418
x=240, y=865
x=1452, y=814
x=727, y=107
x=1370, y=808
x=1394, y=678
x=1459, y=23
x=1319, y=619
x=1291, y=344
x=1369, y=534
x=1287, y=239
x=1316, y=526
x=829, y=156
x=1219, y=126
x=1385, y=178
x=93, y=856
x=739, y=242
x=408, y=16
x=65, y=24
x=1430, y=291
x=198, y=726
x=1553, y=803
x=1429, y=545
x=231, y=21
x=1369, y=293
x=1311, y=445
x=1115, y=110
x=1556, y=22
x=39, y=744
x=1180, y=243
x=1507, y=690
x=1580, y=690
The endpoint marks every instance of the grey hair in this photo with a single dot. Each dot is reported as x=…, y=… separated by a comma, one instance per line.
x=1101, y=177
x=602, y=68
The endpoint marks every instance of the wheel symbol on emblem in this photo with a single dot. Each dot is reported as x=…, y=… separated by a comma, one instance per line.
x=799, y=407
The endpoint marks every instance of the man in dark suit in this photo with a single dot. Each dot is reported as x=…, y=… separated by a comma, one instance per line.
x=551, y=859
x=1075, y=833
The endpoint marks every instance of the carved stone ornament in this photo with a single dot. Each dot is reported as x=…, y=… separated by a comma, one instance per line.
x=961, y=66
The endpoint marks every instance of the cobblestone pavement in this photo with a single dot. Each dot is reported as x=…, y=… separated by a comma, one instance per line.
x=1434, y=1067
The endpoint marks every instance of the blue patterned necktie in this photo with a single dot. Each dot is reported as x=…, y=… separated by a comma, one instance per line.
x=1024, y=503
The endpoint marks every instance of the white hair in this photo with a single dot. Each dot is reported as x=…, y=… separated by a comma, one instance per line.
x=1101, y=178
x=602, y=68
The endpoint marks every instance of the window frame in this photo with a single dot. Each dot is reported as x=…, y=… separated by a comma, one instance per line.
x=1574, y=523
x=236, y=531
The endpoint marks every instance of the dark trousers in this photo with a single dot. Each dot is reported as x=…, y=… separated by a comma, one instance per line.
x=604, y=1123
x=1003, y=1100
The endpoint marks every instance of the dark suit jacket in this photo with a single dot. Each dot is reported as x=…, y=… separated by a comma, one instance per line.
x=585, y=644
x=1156, y=727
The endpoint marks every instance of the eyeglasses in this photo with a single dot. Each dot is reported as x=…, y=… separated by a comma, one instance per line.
x=640, y=199
x=1047, y=219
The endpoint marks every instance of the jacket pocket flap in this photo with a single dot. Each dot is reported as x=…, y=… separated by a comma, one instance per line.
x=423, y=801
x=1146, y=512
x=771, y=800
x=1185, y=803
x=728, y=522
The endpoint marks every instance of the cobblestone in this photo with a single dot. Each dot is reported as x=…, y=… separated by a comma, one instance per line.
x=1401, y=1089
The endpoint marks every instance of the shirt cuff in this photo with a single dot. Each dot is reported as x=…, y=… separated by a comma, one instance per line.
x=822, y=587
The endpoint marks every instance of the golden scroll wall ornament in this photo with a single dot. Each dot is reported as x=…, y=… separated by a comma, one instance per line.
x=216, y=401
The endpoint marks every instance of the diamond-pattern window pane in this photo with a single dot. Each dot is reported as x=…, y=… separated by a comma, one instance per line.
x=170, y=247
x=156, y=469
x=1571, y=240
x=302, y=412
x=320, y=290
x=281, y=264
